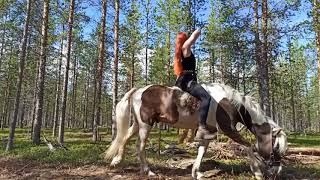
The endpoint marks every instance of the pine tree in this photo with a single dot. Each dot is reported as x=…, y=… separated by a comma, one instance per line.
x=316, y=26
x=99, y=73
x=23, y=50
x=41, y=75
x=115, y=66
x=131, y=42
x=263, y=73
x=66, y=75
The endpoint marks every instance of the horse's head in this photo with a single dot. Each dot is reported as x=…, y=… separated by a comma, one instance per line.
x=271, y=146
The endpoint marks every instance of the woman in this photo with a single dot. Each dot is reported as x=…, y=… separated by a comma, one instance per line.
x=185, y=70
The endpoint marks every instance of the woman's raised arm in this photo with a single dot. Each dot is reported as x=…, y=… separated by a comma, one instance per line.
x=186, y=48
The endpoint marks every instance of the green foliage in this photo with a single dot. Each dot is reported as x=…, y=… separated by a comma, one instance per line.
x=304, y=140
x=131, y=42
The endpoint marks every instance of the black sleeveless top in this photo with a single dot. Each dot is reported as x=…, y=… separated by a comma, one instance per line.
x=189, y=63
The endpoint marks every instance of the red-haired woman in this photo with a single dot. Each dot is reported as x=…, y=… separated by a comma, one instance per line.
x=185, y=70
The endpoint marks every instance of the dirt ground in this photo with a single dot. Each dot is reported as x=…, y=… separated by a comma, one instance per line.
x=295, y=167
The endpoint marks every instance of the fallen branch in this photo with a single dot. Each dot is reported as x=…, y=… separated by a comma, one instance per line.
x=49, y=144
x=21, y=168
x=304, y=151
x=62, y=146
x=228, y=150
x=53, y=146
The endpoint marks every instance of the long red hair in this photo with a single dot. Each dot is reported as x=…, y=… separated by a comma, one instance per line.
x=177, y=65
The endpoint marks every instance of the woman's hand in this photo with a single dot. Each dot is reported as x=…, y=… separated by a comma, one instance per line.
x=204, y=25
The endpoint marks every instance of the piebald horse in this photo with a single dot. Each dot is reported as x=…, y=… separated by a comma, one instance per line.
x=156, y=103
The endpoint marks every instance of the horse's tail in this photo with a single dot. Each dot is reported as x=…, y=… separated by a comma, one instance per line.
x=122, y=120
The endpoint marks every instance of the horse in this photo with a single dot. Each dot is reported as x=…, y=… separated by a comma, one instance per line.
x=157, y=103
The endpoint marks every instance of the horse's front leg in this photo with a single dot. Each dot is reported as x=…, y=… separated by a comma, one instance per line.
x=143, y=134
x=196, y=165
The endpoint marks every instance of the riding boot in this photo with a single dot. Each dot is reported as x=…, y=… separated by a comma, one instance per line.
x=204, y=134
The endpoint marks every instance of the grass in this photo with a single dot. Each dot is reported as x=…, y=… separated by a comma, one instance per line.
x=82, y=151
x=304, y=140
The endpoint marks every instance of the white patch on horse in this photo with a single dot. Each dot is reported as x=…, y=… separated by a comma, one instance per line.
x=136, y=102
x=175, y=87
x=196, y=174
x=221, y=91
x=216, y=92
x=211, y=117
x=281, y=137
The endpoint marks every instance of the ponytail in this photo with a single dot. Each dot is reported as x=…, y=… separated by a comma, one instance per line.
x=177, y=64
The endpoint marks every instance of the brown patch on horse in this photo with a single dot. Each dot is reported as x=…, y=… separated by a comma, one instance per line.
x=227, y=117
x=245, y=118
x=161, y=104
x=264, y=136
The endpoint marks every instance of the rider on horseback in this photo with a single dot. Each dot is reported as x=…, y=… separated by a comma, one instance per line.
x=185, y=70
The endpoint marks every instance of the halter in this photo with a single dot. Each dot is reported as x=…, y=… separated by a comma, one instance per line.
x=273, y=160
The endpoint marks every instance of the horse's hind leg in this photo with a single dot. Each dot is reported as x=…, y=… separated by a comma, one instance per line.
x=144, y=130
x=131, y=132
x=196, y=165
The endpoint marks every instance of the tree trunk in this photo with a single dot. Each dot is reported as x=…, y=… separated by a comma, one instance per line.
x=293, y=107
x=7, y=98
x=34, y=107
x=264, y=74
x=308, y=109
x=3, y=39
x=316, y=26
x=7, y=102
x=34, y=102
x=66, y=75
x=58, y=90
x=85, y=124
x=292, y=91
x=74, y=92
x=147, y=40
x=115, y=68
x=257, y=54
x=23, y=49
x=47, y=114
x=40, y=78
x=99, y=73
x=212, y=68
x=273, y=101
x=168, y=49
x=22, y=115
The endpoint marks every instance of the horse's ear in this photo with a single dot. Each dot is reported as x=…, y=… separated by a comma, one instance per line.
x=276, y=131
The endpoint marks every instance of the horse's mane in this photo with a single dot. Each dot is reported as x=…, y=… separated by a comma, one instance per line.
x=235, y=97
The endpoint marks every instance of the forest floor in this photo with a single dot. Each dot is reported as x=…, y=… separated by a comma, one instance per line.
x=84, y=159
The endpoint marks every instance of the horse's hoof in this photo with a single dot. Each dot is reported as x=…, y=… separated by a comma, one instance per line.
x=199, y=175
x=115, y=161
x=150, y=173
